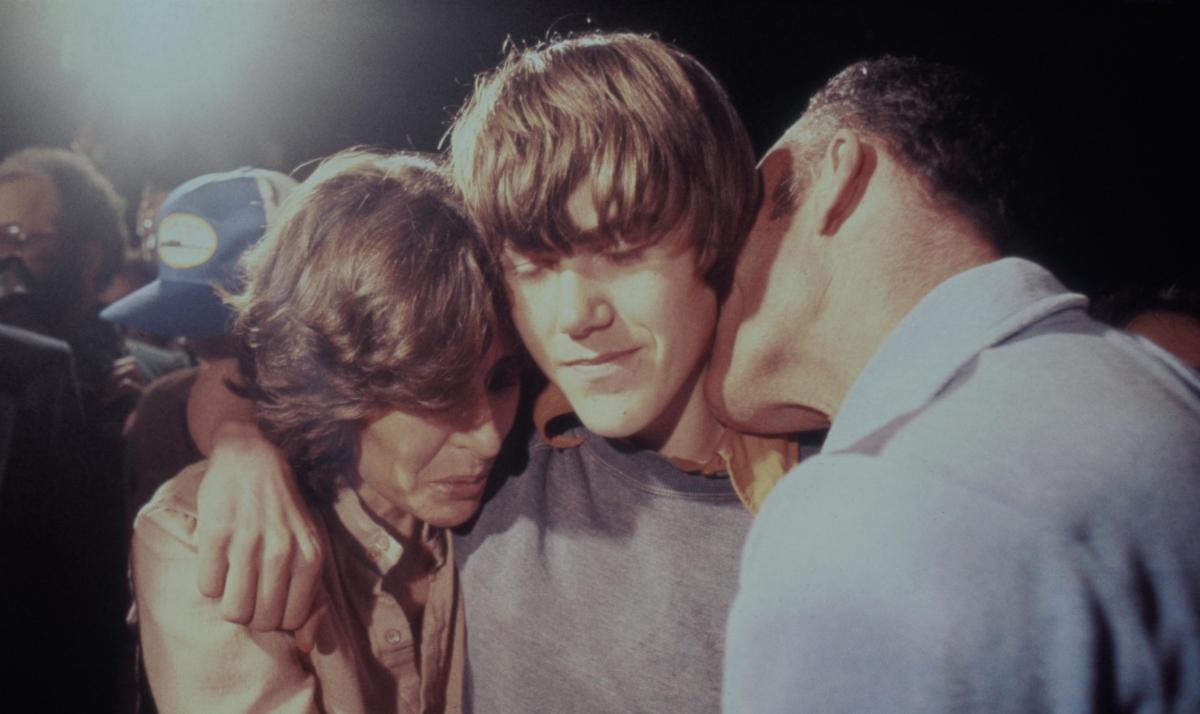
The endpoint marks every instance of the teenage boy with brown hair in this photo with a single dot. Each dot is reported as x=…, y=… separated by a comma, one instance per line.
x=613, y=178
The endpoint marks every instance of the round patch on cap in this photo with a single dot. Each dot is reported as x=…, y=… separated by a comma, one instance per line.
x=185, y=240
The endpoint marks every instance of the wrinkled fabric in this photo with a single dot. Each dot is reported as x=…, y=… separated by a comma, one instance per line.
x=365, y=658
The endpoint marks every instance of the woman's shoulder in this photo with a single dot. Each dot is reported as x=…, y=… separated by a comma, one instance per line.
x=171, y=512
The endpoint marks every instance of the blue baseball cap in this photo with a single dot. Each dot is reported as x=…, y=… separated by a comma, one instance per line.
x=204, y=227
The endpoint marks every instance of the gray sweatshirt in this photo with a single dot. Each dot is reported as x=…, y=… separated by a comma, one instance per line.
x=599, y=580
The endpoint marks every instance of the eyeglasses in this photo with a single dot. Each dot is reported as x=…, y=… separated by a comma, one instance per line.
x=13, y=235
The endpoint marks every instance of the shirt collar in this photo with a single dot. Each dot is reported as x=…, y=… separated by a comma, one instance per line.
x=753, y=463
x=378, y=546
x=962, y=316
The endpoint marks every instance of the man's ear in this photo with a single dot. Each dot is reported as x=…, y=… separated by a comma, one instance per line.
x=846, y=168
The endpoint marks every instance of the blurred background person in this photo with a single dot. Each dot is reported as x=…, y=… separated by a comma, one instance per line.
x=61, y=237
x=1170, y=318
x=209, y=223
x=205, y=225
x=62, y=242
x=62, y=222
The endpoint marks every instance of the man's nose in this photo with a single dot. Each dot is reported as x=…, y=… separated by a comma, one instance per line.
x=583, y=304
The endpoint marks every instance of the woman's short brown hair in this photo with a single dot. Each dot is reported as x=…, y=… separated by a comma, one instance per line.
x=645, y=122
x=370, y=292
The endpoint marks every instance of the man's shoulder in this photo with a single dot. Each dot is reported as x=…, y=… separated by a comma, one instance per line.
x=1071, y=359
x=19, y=342
x=907, y=515
x=28, y=356
x=1063, y=411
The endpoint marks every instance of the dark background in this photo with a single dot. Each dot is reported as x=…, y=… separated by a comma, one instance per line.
x=162, y=91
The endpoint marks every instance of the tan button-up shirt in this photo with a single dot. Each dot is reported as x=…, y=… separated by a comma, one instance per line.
x=365, y=657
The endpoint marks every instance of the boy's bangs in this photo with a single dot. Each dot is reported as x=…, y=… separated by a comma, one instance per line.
x=639, y=195
x=641, y=125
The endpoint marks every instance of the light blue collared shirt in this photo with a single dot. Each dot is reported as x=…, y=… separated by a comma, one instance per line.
x=1005, y=518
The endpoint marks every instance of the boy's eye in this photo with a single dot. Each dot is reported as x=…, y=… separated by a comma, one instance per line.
x=627, y=256
x=524, y=266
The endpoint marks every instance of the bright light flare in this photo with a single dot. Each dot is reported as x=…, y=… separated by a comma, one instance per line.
x=166, y=59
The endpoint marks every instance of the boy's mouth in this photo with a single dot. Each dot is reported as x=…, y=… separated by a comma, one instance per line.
x=602, y=364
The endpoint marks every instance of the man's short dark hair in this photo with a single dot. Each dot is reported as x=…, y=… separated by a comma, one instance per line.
x=90, y=211
x=941, y=121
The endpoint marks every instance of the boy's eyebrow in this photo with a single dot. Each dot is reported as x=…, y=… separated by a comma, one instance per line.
x=510, y=252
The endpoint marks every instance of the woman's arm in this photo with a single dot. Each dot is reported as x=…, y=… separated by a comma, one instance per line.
x=195, y=659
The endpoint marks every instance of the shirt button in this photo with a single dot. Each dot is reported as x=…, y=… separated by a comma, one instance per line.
x=382, y=543
x=392, y=637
